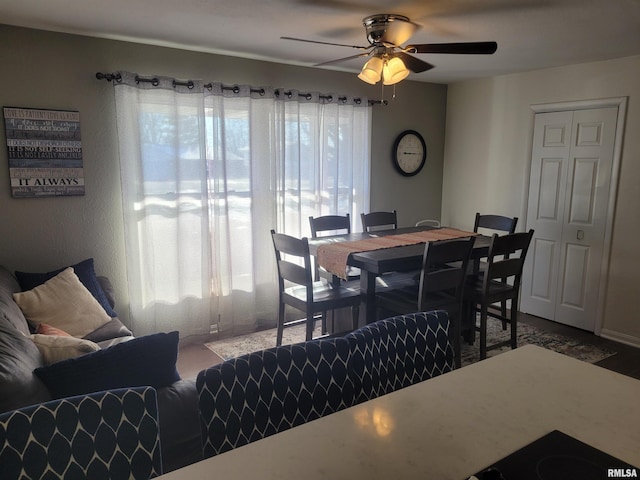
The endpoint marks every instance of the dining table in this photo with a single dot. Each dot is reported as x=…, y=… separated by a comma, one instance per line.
x=374, y=264
x=459, y=424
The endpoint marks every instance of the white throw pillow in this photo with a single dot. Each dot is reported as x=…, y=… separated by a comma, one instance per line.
x=55, y=348
x=65, y=303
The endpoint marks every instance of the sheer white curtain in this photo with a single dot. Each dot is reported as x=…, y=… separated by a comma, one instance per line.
x=206, y=172
x=325, y=167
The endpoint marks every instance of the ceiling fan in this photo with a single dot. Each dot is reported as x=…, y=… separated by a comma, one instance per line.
x=390, y=61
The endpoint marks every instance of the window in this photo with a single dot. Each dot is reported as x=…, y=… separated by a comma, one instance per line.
x=206, y=174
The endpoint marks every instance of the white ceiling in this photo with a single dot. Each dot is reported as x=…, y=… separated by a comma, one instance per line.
x=531, y=34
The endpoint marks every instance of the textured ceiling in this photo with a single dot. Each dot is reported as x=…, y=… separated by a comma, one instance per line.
x=531, y=34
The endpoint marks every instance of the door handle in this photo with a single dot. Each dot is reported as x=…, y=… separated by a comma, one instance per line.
x=580, y=235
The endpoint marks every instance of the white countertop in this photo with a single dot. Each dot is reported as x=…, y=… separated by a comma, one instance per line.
x=451, y=426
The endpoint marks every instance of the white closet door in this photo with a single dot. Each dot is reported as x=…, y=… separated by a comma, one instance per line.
x=568, y=202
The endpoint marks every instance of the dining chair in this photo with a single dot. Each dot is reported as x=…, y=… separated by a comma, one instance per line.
x=256, y=395
x=400, y=351
x=335, y=225
x=428, y=223
x=109, y=434
x=497, y=223
x=442, y=279
x=492, y=224
x=297, y=288
x=500, y=282
x=384, y=221
x=379, y=220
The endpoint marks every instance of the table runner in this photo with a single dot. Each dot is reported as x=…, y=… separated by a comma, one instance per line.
x=333, y=256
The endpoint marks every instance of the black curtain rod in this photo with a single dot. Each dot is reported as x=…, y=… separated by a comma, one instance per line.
x=116, y=77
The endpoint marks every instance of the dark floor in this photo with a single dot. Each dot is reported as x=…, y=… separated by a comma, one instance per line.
x=625, y=361
x=194, y=356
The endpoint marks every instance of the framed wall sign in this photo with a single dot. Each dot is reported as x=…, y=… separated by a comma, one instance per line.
x=44, y=151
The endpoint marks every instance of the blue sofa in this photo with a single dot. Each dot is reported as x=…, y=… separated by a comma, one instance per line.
x=259, y=394
x=20, y=386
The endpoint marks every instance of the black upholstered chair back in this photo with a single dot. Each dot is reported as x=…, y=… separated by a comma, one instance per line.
x=112, y=434
x=399, y=351
x=256, y=395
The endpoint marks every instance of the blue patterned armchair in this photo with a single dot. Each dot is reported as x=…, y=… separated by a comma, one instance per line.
x=110, y=434
x=399, y=351
x=256, y=395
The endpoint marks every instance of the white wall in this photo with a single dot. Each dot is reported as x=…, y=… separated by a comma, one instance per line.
x=487, y=156
x=50, y=70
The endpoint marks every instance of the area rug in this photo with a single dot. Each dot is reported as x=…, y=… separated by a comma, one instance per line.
x=527, y=334
x=530, y=335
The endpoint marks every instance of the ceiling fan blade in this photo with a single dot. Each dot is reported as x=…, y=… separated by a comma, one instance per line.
x=398, y=32
x=326, y=43
x=331, y=62
x=468, y=48
x=414, y=64
x=345, y=6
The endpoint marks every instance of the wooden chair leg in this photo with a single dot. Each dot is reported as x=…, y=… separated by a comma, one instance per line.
x=457, y=334
x=470, y=322
x=503, y=312
x=280, y=324
x=483, y=332
x=310, y=325
x=355, y=316
x=333, y=322
x=513, y=319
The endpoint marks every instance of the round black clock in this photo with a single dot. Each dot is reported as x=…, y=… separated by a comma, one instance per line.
x=409, y=153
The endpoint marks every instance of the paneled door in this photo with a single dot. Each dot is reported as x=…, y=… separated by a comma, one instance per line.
x=569, y=194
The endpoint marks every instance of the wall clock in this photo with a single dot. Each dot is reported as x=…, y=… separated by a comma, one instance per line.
x=409, y=153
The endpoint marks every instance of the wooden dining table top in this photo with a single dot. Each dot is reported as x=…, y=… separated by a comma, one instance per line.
x=401, y=258
x=375, y=263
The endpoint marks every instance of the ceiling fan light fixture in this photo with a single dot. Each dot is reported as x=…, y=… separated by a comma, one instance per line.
x=372, y=71
x=394, y=71
x=388, y=59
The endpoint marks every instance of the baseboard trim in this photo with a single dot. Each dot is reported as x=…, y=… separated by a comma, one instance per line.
x=620, y=337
